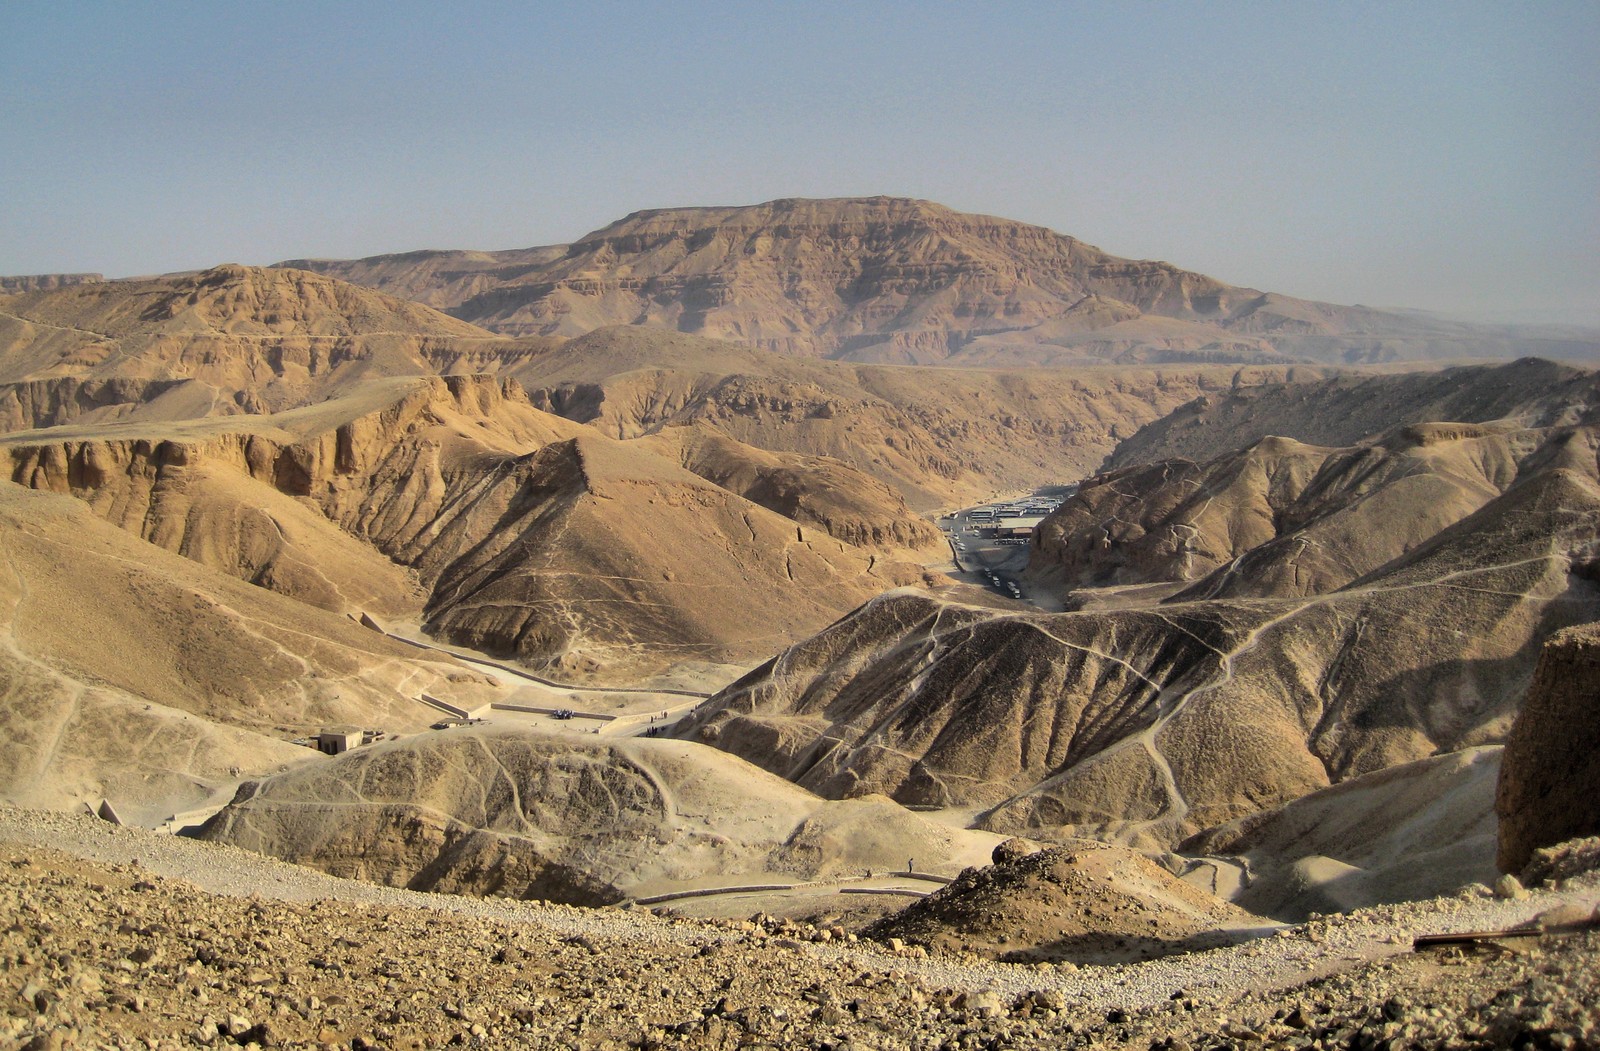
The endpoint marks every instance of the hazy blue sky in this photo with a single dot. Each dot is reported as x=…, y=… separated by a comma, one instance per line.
x=1442, y=155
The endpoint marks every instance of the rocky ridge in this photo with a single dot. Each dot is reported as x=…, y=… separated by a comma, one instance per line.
x=508, y=811
x=227, y=340
x=17, y=285
x=939, y=437
x=1343, y=410
x=1281, y=518
x=895, y=280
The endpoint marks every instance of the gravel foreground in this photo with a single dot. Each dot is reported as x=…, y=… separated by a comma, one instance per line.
x=122, y=938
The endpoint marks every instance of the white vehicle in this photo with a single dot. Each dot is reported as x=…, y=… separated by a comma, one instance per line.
x=981, y=514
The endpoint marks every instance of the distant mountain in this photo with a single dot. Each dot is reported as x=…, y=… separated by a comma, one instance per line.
x=236, y=339
x=10, y=286
x=1343, y=409
x=886, y=279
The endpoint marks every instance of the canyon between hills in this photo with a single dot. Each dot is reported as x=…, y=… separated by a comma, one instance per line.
x=633, y=575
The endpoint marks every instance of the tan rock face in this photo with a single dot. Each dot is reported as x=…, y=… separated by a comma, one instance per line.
x=10, y=286
x=894, y=280
x=817, y=491
x=940, y=437
x=1549, y=787
x=414, y=497
x=226, y=340
x=585, y=546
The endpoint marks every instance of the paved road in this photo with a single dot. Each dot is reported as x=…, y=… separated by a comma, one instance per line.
x=985, y=560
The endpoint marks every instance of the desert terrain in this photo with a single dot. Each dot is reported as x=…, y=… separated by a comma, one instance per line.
x=629, y=614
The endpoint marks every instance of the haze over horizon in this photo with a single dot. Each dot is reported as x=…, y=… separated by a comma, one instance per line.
x=1433, y=156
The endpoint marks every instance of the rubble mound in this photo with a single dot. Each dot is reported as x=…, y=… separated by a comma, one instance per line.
x=1563, y=861
x=1085, y=903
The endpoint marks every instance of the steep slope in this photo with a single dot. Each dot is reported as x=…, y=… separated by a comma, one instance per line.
x=895, y=280
x=1343, y=409
x=819, y=491
x=241, y=339
x=279, y=500
x=238, y=340
x=508, y=812
x=133, y=674
x=1280, y=518
x=1146, y=725
x=587, y=552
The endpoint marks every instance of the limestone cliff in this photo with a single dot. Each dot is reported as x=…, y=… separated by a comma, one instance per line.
x=890, y=279
x=255, y=339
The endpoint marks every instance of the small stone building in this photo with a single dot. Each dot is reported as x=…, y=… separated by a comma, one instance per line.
x=338, y=739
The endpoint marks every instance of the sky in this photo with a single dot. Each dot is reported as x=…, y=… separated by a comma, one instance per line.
x=1442, y=156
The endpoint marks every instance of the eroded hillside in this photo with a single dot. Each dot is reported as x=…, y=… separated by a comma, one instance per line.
x=130, y=673
x=420, y=498
x=1281, y=518
x=1149, y=723
x=523, y=815
x=940, y=437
